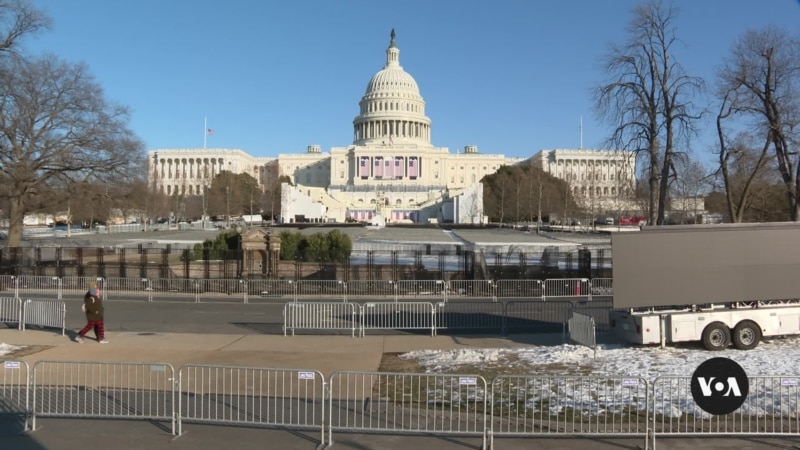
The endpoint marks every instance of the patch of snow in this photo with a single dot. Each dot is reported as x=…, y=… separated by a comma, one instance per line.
x=6, y=349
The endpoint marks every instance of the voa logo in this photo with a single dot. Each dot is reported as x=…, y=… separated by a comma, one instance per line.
x=719, y=386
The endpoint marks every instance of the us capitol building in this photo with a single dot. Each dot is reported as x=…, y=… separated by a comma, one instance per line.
x=390, y=172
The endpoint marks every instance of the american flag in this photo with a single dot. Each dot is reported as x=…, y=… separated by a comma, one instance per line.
x=210, y=132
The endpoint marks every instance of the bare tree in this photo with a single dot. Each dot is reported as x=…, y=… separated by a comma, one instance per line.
x=691, y=184
x=761, y=81
x=18, y=19
x=647, y=98
x=55, y=126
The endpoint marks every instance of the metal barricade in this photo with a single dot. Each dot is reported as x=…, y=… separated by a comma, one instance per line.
x=270, y=289
x=175, y=289
x=127, y=289
x=11, y=311
x=111, y=390
x=470, y=289
x=250, y=396
x=474, y=315
x=8, y=283
x=221, y=290
x=371, y=290
x=398, y=316
x=401, y=403
x=14, y=391
x=36, y=286
x=580, y=329
x=536, y=316
x=421, y=289
x=44, y=313
x=520, y=288
x=568, y=406
x=320, y=316
x=602, y=287
x=599, y=309
x=320, y=289
x=74, y=288
x=566, y=287
x=771, y=408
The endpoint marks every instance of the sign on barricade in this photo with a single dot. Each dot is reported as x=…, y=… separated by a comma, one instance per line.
x=111, y=390
x=401, y=403
x=319, y=316
x=398, y=316
x=14, y=376
x=250, y=396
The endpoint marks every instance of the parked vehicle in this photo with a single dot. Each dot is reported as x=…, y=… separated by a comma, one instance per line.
x=719, y=284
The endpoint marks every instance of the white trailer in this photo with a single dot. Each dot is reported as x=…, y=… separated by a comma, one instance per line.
x=717, y=284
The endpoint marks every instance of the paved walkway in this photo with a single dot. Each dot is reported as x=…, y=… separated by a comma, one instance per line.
x=324, y=353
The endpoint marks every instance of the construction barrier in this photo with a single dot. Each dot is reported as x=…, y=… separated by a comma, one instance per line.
x=320, y=316
x=401, y=403
x=44, y=313
x=250, y=396
x=108, y=390
x=11, y=311
x=566, y=287
x=14, y=391
x=398, y=316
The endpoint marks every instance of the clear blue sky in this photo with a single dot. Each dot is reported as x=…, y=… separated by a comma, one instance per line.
x=512, y=77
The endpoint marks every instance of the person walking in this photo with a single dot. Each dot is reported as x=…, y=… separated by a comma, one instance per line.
x=93, y=307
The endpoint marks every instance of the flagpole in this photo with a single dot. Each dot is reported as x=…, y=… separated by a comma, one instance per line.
x=205, y=131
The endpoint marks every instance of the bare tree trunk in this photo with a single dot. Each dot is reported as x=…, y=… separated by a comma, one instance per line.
x=16, y=215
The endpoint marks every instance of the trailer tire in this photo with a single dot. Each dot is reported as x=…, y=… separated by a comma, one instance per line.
x=746, y=335
x=716, y=336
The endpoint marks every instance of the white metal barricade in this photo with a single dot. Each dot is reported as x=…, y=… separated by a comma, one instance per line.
x=401, y=403
x=175, y=289
x=471, y=289
x=37, y=286
x=270, y=289
x=11, y=310
x=398, y=316
x=76, y=287
x=320, y=316
x=421, y=289
x=536, y=316
x=602, y=287
x=566, y=287
x=8, y=284
x=520, y=288
x=372, y=290
x=44, y=313
x=250, y=396
x=221, y=290
x=581, y=330
x=320, y=289
x=127, y=289
x=470, y=315
x=772, y=408
x=14, y=378
x=111, y=390
x=568, y=406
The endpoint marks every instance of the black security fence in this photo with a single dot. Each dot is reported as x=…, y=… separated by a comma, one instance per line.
x=171, y=262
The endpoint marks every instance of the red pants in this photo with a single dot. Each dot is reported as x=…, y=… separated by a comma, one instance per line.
x=99, y=329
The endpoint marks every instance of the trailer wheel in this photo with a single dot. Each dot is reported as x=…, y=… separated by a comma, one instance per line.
x=716, y=336
x=746, y=335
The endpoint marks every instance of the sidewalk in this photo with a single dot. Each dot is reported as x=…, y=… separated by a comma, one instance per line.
x=326, y=354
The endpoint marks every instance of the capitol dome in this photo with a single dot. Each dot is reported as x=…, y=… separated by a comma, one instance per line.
x=392, y=110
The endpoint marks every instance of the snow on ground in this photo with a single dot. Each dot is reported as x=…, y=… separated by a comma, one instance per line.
x=773, y=357
x=6, y=349
x=551, y=378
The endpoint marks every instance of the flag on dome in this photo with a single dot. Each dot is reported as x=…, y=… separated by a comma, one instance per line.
x=210, y=132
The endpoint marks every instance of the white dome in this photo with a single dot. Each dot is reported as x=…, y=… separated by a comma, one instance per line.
x=392, y=109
